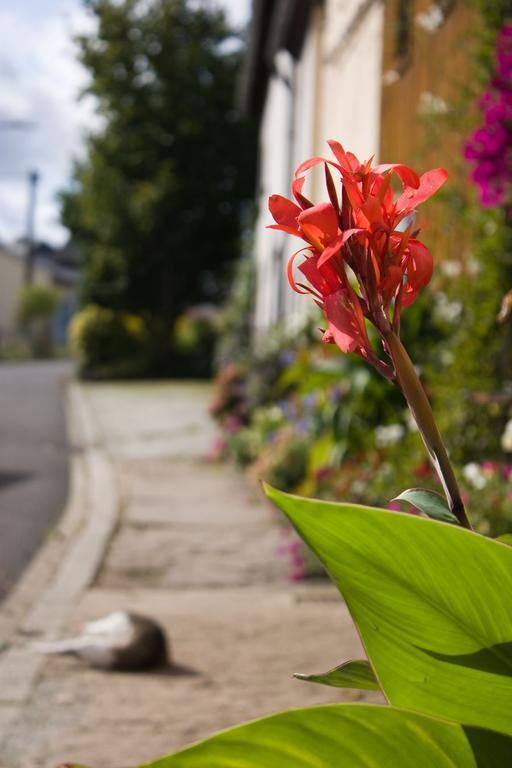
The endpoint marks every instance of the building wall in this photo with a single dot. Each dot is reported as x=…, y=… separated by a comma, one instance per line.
x=274, y=172
x=12, y=274
x=11, y=282
x=351, y=64
x=331, y=91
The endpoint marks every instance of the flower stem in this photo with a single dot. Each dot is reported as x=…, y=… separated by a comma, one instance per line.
x=418, y=402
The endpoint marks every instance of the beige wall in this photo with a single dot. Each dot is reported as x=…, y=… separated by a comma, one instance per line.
x=274, y=175
x=11, y=282
x=351, y=74
x=12, y=270
x=333, y=91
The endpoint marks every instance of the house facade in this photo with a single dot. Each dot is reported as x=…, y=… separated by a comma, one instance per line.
x=361, y=71
x=57, y=268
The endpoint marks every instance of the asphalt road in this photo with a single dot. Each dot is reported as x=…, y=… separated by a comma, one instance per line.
x=33, y=460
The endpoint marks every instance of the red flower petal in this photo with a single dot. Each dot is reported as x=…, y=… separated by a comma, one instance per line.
x=354, y=194
x=343, y=324
x=284, y=211
x=373, y=211
x=289, y=271
x=347, y=160
x=310, y=163
x=325, y=280
x=419, y=268
x=429, y=184
x=319, y=224
x=285, y=228
x=408, y=177
x=334, y=247
x=297, y=185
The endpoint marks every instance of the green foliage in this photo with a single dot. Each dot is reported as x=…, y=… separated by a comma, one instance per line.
x=474, y=385
x=430, y=503
x=493, y=14
x=352, y=435
x=349, y=736
x=235, y=332
x=108, y=344
x=351, y=674
x=427, y=599
x=37, y=305
x=37, y=302
x=431, y=603
x=155, y=207
x=473, y=369
x=194, y=338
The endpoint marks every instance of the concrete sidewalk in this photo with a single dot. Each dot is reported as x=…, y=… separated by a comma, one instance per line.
x=153, y=528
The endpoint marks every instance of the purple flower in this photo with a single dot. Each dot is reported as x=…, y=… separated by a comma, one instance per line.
x=287, y=357
x=489, y=149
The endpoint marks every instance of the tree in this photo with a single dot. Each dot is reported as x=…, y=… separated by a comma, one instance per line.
x=155, y=206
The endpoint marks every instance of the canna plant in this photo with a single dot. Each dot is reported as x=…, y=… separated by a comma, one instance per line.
x=431, y=599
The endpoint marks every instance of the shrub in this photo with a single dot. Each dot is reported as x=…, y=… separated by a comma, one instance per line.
x=194, y=339
x=37, y=305
x=108, y=344
x=37, y=301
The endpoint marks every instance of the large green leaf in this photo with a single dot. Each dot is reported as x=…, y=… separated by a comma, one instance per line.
x=351, y=674
x=346, y=736
x=432, y=602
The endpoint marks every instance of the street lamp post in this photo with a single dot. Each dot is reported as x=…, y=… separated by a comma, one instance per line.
x=33, y=179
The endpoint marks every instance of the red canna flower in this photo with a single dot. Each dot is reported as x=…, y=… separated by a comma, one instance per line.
x=363, y=262
x=364, y=232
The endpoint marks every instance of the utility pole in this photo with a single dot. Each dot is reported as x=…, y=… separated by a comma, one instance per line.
x=33, y=179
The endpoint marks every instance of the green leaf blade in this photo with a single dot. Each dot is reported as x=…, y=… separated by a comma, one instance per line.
x=345, y=736
x=351, y=674
x=430, y=503
x=432, y=602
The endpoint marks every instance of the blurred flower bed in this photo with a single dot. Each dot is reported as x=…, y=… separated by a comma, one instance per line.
x=286, y=412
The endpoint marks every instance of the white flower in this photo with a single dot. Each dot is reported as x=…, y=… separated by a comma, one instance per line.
x=430, y=104
x=474, y=475
x=390, y=77
x=389, y=434
x=431, y=19
x=450, y=268
x=447, y=310
x=410, y=421
x=506, y=438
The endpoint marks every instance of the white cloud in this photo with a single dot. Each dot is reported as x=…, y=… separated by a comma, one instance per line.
x=40, y=80
x=237, y=11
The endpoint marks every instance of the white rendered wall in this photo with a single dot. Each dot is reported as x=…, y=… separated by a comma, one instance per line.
x=307, y=90
x=351, y=66
x=335, y=94
x=274, y=175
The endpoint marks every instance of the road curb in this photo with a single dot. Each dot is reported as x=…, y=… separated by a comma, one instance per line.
x=41, y=602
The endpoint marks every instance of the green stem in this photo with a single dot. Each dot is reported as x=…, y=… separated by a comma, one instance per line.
x=418, y=402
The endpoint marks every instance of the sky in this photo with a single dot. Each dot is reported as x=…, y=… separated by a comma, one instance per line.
x=40, y=81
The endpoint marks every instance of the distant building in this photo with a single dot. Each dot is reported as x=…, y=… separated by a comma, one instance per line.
x=360, y=71
x=52, y=266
